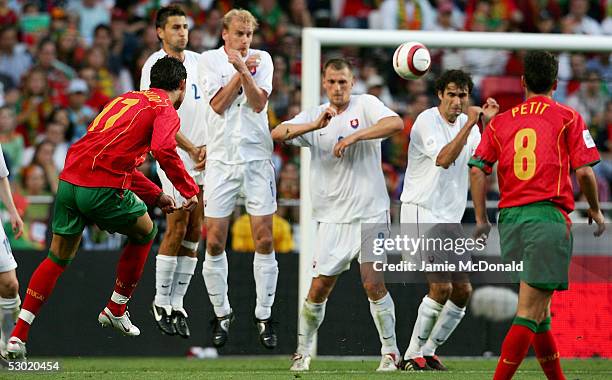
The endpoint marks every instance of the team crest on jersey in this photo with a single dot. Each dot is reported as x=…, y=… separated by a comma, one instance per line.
x=253, y=70
x=354, y=123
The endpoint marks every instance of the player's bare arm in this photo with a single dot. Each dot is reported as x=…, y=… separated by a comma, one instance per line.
x=285, y=131
x=256, y=97
x=588, y=185
x=478, y=188
x=7, y=200
x=226, y=95
x=489, y=110
x=385, y=127
x=451, y=151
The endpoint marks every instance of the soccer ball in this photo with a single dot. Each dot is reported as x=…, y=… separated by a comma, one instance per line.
x=494, y=303
x=411, y=60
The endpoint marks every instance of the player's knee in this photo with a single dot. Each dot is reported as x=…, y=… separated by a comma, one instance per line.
x=440, y=292
x=9, y=288
x=264, y=244
x=214, y=246
x=144, y=239
x=461, y=293
x=374, y=290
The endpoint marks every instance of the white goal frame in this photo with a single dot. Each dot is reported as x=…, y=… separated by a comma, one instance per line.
x=313, y=39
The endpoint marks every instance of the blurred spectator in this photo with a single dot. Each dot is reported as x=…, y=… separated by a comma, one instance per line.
x=58, y=74
x=492, y=15
x=68, y=49
x=196, y=40
x=211, y=32
x=80, y=114
x=376, y=86
x=411, y=14
x=545, y=23
x=91, y=13
x=242, y=236
x=36, y=215
x=448, y=17
x=96, y=59
x=351, y=13
x=298, y=17
x=7, y=15
x=62, y=116
x=12, y=142
x=97, y=99
x=269, y=15
x=606, y=24
x=580, y=21
x=56, y=135
x=14, y=57
x=43, y=157
x=289, y=188
x=150, y=41
x=537, y=11
x=590, y=102
x=34, y=106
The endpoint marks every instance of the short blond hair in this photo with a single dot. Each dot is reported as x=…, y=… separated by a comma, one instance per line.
x=241, y=15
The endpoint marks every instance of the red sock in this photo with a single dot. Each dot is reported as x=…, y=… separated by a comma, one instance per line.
x=39, y=289
x=515, y=347
x=548, y=355
x=129, y=270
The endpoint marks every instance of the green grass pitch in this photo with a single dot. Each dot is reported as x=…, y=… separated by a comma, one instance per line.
x=277, y=368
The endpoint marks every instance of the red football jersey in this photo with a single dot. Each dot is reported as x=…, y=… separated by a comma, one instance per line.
x=536, y=144
x=117, y=141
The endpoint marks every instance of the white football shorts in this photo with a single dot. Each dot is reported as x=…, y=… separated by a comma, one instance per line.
x=338, y=244
x=254, y=180
x=7, y=261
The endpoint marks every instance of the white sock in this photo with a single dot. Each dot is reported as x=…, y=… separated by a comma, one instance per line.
x=164, y=273
x=185, y=267
x=383, y=313
x=311, y=316
x=214, y=271
x=426, y=318
x=265, y=271
x=9, y=309
x=449, y=318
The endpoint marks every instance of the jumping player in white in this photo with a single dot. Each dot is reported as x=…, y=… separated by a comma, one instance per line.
x=236, y=81
x=348, y=189
x=177, y=256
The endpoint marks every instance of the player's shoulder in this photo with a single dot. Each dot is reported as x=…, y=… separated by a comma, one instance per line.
x=154, y=57
x=212, y=53
x=425, y=118
x=567, y=113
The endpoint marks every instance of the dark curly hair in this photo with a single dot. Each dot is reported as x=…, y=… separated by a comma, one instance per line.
x=541, y=68
x=458, y=77
x=167, y=73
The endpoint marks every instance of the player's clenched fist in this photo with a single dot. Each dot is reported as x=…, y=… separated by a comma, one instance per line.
x=166, y=203
x=190, y=203
x=323, y=119
x=234, y=57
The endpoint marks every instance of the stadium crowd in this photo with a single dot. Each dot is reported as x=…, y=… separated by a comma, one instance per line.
x=61, y=61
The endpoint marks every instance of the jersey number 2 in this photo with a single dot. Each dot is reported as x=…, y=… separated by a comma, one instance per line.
x=128, y=103
x=525, y=154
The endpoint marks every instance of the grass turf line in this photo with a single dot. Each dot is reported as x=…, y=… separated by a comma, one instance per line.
x=277, y=368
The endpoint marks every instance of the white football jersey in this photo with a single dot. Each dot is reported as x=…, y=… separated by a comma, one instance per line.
x=443, y=191
x=4, y=172
x=240, y=134
x=191, y=112
x=350, y=188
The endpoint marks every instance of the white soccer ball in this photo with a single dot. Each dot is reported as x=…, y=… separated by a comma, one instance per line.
x=411, y=60
x=494, y=303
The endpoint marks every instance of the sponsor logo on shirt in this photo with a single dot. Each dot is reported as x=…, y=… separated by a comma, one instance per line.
x=354, y=123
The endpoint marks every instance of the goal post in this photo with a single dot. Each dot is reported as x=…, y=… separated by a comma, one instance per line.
x=313, y=39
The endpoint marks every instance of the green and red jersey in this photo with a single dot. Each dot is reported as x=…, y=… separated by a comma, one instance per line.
x=537, y=143
x=118, y=140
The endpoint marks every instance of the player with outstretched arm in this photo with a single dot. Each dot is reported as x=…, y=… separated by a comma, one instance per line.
x=348, y=189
